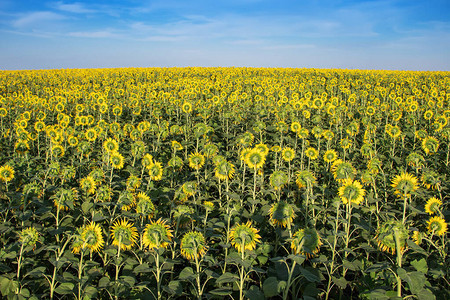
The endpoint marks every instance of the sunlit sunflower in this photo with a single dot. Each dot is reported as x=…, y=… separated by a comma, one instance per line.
x=415, y=160
x=417, y=237
x=92, y=237
x=351, y=191
x=404, y=184
x=330, y=156
x=224, y=170
x=305, y=178
x=157, y=234
x=430, y=179
x=278, y=179
x=244, y=236
x=6, y=173
x=342, y=170
x=116, y=159
x=126, y=200
x=193, y=245
x=374, y=165
x=387, y=233
x=91, y=135
x=312, y=153
x=345, y=143
x=288, y=154
x=189, y=188
x=155, y=171
x=430, y=145
x=196, y=160
x=295, y=127
x=58, y=150
x=255, y=159
x=186, y=107
x=437, y=225
x=110, y=145
x=247, y=139
x=367, y=150
x=144, y=205
x=29, y=236
x=65, y=198
x=124, y=234
x=147, y=160
x=281, y=214
x=427, y=115
x=433, y=206
x=88, y=184
x=306, y=242
x=262, y=148
x=328, y=135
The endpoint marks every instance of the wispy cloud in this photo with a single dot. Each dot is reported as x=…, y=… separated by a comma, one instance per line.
x=95, y=34
x=76, y=7
x=36, y=18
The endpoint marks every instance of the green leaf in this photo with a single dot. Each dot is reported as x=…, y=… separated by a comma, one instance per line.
x=425, y=294
x=8, y=286
x=420, y=265
x=128, y=280
x=413, y=246
x=226, y=278
x=89, y=292
x=340, y=282
x=221, y=292
x=175, y=287
x=144, y=268
x=186, y=274
x=270, y=287
x=309, y=275
x=103, y=282
x=65, y=288
x=415, y=280
x=254, y=293
x=349, y=265
x=36, y=272
x=86, y=207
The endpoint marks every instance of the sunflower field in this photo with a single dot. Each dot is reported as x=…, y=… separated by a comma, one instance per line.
x=224, y=183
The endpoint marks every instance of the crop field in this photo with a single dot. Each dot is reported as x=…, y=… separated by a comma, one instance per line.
x=224, y=183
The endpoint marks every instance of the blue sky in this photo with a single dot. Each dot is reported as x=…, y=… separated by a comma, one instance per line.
x=393, y=35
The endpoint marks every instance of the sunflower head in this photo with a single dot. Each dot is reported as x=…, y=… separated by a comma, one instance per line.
x=430, y=145
x=92, y=237
x=133, y=183
x=388, y=232
x=144, y=205
x=6, y=173
x=255, y=159
x=244, y=236
x=278, y=179
x=305, y=179
x=437, y=225
x=430, y=179
x=351, y=191
x=193, y=245
x=126, y=200
x=110, y=145
x=404, y=184
x=224, y=170
x=123, y=234
x=187, y=107
x=29, y=237
x=288, y=154
x=281, y=214
x=312, y=153
x=116, y=159
x=433, y=206
x=157, y=234
x=306, y=242
x=64, y=199
x=330, y=156
x=196, y=160
x=88, y=184
x=155, y=171
x=342, y=170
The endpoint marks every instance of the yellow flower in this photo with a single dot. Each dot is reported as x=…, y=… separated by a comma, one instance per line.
x=281, y=214
x=351, y=191
x=224, y=170
x=123, y=234
x=386, y=235
x=196, y=160
x=6, y=173
x=330, y=156
x=92, y=237
x=255, y=159
x=288, y=154
x=437, y=225
x=244, y=236
x=306, y=242
x=111, y=145
x=430, y=145
x=404, y=184
x=278, y=179
x=432, y=205
x=312, y=153
x=193, y=245
x=155, y=171
x=88, y=184
x=157, y=234
x=116, y=159
x=186, y=107
x=144, y=205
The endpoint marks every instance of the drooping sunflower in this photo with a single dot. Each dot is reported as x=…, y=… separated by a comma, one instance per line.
x=374, y=165
x=155, y=171
x=342, y=170
x=157, y=234
x=147, y=160
x=305, y=178
x=281, y=214
x=64, y=199
x=312, y=153
x=437, y=225
x=144, y=205
x=196, y=160
x=330, y=156
x=351, y=191
x=58, y=150
x=288, y=154
x=306, y=242
x=193, y=245
x=189, y=188
x=124, y=234
x=126, y=200
x=255, y=159
x=345, y=143
x=386, y=235
x=29, y=236
x=415, y=160
x=278, y=179
x=116, y=159
x=224, y=170
x=430, y=179
x=246, y=139
x=430, y=145
x=404, y=184
x=244, y=236
x=92, y=237
x=175, y=162
x=262, y=148
x=133, y=183
x=6, y=173
x=417, y=237
x=111, y=145
x=88, y=185
x=432, y=206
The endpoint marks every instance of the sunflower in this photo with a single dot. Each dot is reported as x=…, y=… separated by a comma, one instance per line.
x=430, y=179
x=155, y=171
x=437, y=225
x=306, y=242
x=432, y=206
x=328, y=135
x=417, y=237
x=415, y=160
x=157, y=234
x=92, y=237
x=147, y=160
x=186, y=107
x=72, y=140
x=117, y=110
x=29, y=237
x=91, y=134
x=312, y=153
x=88, y=184
x=126, y=200
x=263, y=148
x=247, y=139
x=367, y=150
x=276, y=148
x=305, y=179
x=244, y=237
x=6, y=173
x=196, y=160
x=330, y=156
x=210, y=150
x=58, y=150
x=133, y=183
x=182, y=215
x=295, y=126
x=430, y=145
x=342, y=170
x=39, y=126
x=224, y=170
x=193, y=245
x=278, y=179
x=255, y=159
x=123, y=234
x=111, y=145
x=428, y=115
x=281, y=214
x=404, y=184
x=288, y=154
x=345, y=143
x=116, y=159
x=175, y=162
x=387, y=233
x=64, y=199
x=144, y=205
x=351, y=191
x=374, y=165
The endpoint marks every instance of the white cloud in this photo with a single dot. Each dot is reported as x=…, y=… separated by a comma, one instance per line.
x=76, y=7
x=95, y=34
x=36, y=18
